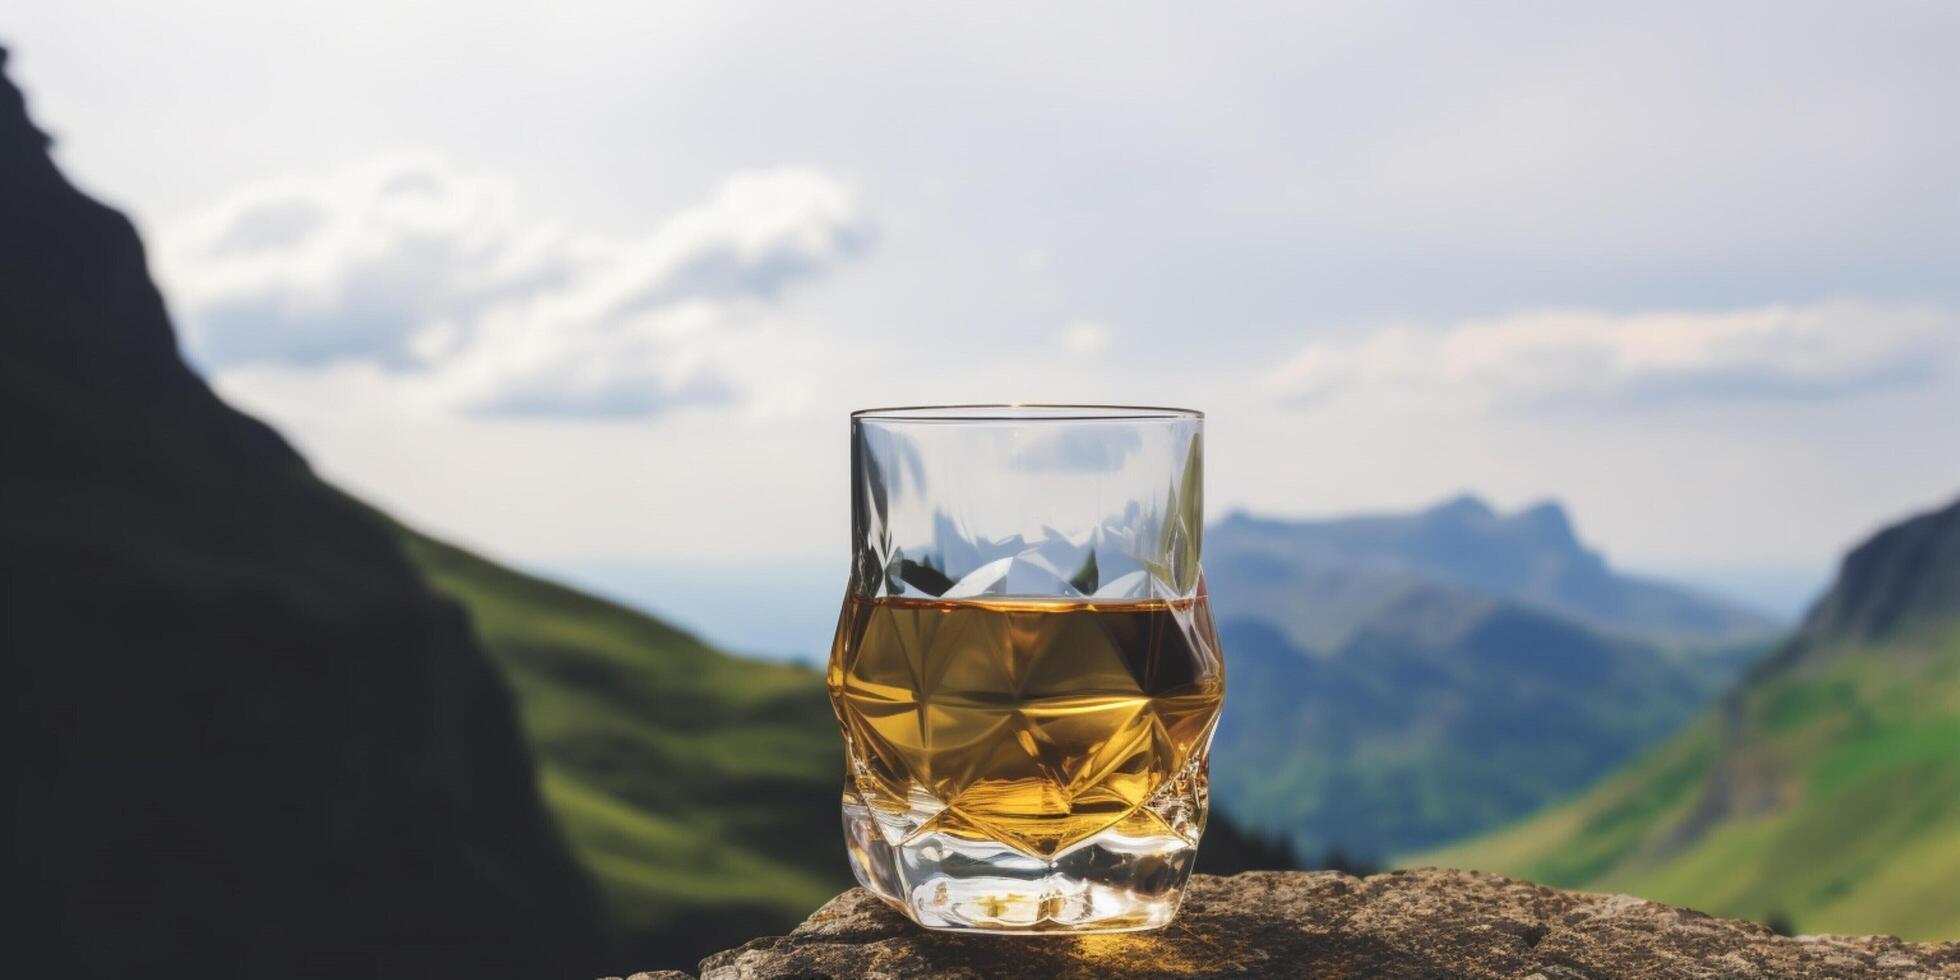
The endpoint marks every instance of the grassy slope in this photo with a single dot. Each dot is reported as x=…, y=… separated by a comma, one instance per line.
x=1394, y=744
x=1865, y=836
x=745, y=754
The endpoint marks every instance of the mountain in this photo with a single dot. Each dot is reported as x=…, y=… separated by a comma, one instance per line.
x=1400, y=681
x=281, y=729
x=1321, y=580
x=1823, y=791
x=250, y=741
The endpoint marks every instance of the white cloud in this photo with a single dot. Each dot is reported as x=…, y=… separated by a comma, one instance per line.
x=1474, y=161
x=406, y=263
x=1559, y=358
x=1087, y=336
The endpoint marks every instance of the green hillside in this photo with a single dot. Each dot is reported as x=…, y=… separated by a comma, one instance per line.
x=1404, y=681
x=699, y=788
x=1824, y=791
x=1446, y=719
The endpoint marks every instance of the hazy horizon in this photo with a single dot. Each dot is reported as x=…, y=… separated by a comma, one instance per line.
x=786, y=610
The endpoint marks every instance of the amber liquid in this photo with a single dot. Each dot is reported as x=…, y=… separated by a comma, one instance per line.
x=1033, y=723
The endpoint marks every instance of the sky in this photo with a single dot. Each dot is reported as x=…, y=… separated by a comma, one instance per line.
x=592, y=286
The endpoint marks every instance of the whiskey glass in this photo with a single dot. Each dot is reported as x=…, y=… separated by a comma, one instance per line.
x=1025, y=668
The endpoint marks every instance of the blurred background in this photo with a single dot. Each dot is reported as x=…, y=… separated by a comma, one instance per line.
x=1555, y=357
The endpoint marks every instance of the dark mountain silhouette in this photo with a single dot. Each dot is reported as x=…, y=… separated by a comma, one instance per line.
x=1320, y=580
x=252, y=742
x=1822, y=791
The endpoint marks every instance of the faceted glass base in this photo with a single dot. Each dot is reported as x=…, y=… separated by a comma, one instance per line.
x=1111, y=882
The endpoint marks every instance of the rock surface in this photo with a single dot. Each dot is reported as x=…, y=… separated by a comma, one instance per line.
x=1427, y=923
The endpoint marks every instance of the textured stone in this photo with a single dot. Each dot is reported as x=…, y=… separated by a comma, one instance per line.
x=1325, y=924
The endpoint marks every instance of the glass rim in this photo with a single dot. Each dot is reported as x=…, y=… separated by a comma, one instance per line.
x=1027, y=412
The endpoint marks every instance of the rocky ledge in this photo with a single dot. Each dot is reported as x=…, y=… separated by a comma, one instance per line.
x=1426, y=923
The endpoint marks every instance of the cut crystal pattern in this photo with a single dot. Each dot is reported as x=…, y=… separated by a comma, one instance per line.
x=1026, y=671
x=1030, y=727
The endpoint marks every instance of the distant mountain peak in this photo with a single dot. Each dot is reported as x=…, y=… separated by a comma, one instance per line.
x=1533, y=556
x=1546, y=521
x=1550, y=523
x=1463, y=506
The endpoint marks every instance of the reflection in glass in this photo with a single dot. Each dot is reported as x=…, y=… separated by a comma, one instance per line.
x=1025, y=667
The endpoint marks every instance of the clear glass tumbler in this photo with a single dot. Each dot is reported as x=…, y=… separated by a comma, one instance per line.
x=1025, y=668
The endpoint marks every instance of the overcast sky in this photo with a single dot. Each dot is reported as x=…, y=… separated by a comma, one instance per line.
x=588, y=283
